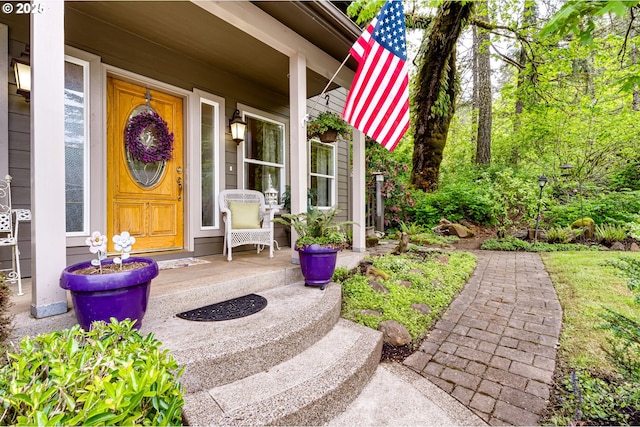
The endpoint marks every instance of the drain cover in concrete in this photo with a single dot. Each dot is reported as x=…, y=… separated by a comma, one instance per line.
x=227, y=310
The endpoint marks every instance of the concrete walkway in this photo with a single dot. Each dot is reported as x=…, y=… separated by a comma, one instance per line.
x=494, y=350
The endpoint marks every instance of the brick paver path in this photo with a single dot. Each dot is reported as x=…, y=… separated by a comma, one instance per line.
x=495, y=348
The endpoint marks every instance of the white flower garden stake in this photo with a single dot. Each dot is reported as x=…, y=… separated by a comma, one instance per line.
x=97, y=245
x=123, y=243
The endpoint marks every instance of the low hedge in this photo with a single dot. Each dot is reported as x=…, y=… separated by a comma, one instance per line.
x=110, y=375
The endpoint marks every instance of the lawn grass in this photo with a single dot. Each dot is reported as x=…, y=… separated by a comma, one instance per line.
x=589, y=388
x=585, y=287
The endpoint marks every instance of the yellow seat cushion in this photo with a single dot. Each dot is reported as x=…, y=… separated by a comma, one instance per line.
x=244, y=215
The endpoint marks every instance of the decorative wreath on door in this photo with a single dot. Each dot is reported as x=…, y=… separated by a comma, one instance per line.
x=147, y=138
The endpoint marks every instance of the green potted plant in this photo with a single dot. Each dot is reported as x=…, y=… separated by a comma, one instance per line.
x=327, y=127
x=320, y=237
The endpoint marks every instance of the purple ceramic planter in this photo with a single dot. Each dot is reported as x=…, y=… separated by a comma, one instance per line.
x=317, y=264
x=101, y=296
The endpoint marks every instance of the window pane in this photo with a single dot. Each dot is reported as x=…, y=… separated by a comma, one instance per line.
x=257, y=177
x=264, y=141
x=321, y=159
x=321, y=196
x=74, y=144
x=207, y=159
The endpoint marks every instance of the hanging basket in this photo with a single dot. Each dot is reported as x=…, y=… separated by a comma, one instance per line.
x=329, y=136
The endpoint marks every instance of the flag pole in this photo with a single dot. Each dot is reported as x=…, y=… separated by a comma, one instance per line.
x=327, y=86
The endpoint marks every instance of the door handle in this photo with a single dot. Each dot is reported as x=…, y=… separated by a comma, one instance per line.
x=179, y=188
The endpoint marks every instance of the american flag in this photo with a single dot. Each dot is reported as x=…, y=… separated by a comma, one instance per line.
x=378, y=102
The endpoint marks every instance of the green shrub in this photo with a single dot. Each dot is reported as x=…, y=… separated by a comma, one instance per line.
x=611, y=208
x=455, y=202
x=110, y=375
x=608, y=233
x=633, y=229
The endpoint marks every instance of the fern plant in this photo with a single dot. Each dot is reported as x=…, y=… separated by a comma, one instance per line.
x=608, y=233
x=317, y=227
x=559, y=235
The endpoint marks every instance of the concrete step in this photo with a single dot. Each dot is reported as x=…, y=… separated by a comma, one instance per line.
x=309, y=389
x=218, y=353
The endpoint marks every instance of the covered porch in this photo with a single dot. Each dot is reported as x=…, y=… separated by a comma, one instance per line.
x=266, y=59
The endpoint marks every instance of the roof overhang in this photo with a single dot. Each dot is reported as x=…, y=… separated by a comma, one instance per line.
x=251, y=40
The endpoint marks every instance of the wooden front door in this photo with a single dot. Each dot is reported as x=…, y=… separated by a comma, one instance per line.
x=144, y=198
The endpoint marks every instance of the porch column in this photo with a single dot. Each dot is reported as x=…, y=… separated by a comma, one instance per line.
x=298, y=139
x=358, y=195
x=48, y=240
x=4, y=101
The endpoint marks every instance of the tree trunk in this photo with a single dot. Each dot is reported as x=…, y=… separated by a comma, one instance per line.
x=474, y=72
x=435, y=98
x=636, y=95
x=529, y=17
x=483, y=144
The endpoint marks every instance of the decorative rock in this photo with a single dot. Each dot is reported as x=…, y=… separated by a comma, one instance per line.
x=634, y=247
x=364, y=265
x=416, y=271
x=402, y=244
x=587, y=224
x=617, y=246
x=444, y=259
x=436, y=284
x=378, y=287
x=394, y=333
x=376, y=272
x=421, y=308
x=406, y=283
x=369, y=312
x=460, y=230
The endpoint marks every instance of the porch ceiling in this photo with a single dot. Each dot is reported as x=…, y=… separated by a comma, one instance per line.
x=190, y=32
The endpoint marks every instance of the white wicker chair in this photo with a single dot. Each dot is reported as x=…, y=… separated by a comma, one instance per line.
x=9, y=231
x=234, y=237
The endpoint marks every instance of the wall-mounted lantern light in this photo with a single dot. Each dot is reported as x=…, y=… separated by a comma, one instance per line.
x=22, y=71
x=238, y=127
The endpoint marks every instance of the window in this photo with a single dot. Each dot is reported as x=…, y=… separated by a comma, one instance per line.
x=208, y=150
x=322, y=174
x=263, y=154
x=76, y=144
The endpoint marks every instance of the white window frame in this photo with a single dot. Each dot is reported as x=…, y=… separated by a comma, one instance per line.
x=88, y=62
x=200, y=97
x=333, y=178
x=243, y=161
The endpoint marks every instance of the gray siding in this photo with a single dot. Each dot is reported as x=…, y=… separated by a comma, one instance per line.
x=151, y=60
x=19, y=160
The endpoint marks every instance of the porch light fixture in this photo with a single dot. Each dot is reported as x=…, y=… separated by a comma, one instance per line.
x=238, y=127
x=22, y=71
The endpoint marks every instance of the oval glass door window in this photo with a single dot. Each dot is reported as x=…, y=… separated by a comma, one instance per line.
x=145, y=174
